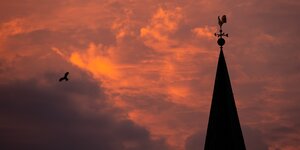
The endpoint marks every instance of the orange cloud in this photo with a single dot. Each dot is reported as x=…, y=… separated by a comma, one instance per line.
x=205, y=32
x=92, y=61
x=151, y=78
x=148, y=68
x=162, y=24
x=146, y=56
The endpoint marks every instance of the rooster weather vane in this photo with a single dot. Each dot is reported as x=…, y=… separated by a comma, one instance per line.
x=221, y=21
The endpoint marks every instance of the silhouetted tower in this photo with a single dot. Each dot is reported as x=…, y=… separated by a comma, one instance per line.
x=224, y=130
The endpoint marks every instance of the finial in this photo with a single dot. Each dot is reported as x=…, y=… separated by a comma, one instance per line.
x=221, y=21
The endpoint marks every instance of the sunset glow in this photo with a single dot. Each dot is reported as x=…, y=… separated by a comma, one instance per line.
x=142, y=73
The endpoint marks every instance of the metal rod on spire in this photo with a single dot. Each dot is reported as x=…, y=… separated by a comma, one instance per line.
x=221, y=21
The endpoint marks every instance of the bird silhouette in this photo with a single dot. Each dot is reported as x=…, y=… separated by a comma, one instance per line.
x=65, y=77
x=222, y=20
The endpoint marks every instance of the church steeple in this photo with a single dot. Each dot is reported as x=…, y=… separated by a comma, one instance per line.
x=224, y=131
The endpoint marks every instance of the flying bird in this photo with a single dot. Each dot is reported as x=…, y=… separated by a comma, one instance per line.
x=65, y=77
x=222, y=20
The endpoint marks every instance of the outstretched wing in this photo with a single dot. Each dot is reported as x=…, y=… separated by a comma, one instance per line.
x=66, y=74
x=61, y=79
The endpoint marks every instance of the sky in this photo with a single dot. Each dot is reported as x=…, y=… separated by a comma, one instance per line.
x=142, y=73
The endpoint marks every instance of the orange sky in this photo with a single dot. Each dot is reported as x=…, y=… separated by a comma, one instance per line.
x=153, y=64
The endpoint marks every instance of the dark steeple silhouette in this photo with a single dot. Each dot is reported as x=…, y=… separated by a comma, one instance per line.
x=224, y=131
x=65, y=77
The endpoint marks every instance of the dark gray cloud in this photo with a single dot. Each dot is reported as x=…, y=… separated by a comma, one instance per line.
x=195, y=141
x=71, y=115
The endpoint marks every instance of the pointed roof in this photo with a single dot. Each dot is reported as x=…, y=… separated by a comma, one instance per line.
x=224, y=131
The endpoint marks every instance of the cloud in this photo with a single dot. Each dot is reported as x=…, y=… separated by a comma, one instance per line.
x=195, y=141
x=163, y=23
x=155, y=64
x=95, y=62
x=71, y=115
x=205, y=32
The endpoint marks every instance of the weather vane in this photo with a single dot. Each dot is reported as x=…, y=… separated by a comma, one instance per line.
x=221, y=21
